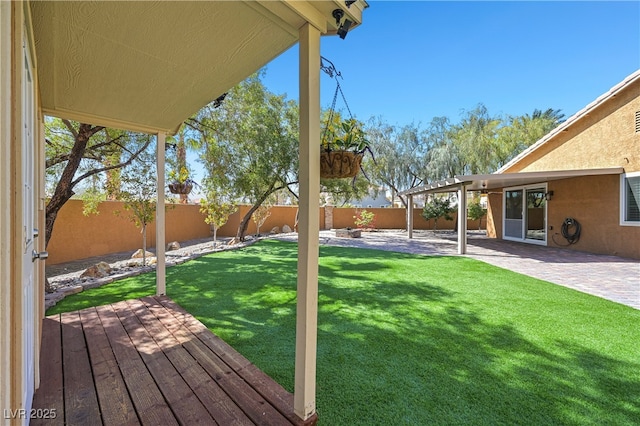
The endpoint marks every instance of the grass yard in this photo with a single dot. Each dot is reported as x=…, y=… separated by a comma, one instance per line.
x=405, y=339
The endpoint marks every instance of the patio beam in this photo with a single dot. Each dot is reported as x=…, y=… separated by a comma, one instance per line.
x=304, y=403
x=462, y=219
x=161, y=287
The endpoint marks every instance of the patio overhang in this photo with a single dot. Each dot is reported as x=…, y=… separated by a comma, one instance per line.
x=148, y=66
x=502, y=180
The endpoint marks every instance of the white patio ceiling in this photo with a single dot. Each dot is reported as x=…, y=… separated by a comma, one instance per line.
x=149, y=65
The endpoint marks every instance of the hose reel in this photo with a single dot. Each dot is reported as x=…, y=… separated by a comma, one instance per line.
x=570, y=230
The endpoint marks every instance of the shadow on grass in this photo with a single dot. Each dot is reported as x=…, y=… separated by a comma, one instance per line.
x=407, y=339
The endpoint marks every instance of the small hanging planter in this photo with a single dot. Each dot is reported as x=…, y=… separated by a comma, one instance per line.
x=344, y=142
x=339, y=164
x=181, y=188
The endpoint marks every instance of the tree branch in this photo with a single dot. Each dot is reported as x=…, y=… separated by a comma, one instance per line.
x=115, y=166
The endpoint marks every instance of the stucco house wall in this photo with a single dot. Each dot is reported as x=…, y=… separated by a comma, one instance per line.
x=603, y=135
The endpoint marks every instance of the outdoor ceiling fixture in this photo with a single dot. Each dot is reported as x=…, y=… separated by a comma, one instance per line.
x=343, y=28
x=218, y=101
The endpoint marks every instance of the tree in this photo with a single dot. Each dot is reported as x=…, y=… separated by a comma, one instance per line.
x=436, y=208
x=475, y=139
x=217, y=210
x=260, y=215
x=442, y=158
x=521, y=132
x=399, y=155
x=138, y=191
x=475, y=211
x=365, y=219
x=256, y=133
x=76, y=152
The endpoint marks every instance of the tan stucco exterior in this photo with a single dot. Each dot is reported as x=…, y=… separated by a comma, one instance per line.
x=602, y=135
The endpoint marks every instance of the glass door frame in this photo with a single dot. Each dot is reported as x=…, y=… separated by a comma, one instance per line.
x=525, y=214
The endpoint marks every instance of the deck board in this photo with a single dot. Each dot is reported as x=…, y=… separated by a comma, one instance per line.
x=148, y=361
x=115, y=404
x=51, y=395
x=80, y=398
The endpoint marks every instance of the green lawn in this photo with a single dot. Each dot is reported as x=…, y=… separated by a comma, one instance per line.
x=405, y=339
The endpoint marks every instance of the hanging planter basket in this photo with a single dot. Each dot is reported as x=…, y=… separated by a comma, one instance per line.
x=339, y=164
x=180, y=188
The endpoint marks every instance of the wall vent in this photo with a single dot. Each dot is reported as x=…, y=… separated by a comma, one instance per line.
x=637, y=121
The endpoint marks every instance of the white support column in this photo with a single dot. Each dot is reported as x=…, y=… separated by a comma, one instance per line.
x=410, y=215
x=161, y=280
x=462, y=219
x=304, y=403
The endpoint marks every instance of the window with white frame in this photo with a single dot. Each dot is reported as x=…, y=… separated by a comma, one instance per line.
x=630, y=199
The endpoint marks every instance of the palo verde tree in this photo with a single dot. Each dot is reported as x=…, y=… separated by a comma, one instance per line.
x=77, y=152
x=258, y=133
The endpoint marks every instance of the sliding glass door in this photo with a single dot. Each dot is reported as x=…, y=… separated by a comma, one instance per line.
x=513, y=218
x=525, y=214
x=535, y=215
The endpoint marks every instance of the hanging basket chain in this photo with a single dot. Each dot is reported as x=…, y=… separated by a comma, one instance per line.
x=331, y=70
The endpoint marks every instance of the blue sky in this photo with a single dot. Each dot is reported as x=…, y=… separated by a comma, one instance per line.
x=412, y=61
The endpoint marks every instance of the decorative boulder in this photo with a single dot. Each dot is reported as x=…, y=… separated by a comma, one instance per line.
x=275, y=230
x=138, y=254
x=286, y=229
x=99, y=270
x=174, y=245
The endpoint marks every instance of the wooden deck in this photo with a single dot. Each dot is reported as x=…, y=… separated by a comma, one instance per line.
x=149, y=362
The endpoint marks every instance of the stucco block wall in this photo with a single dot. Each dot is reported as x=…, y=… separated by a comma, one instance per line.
x=76, y=236
x=605, y=137
x=394, y=218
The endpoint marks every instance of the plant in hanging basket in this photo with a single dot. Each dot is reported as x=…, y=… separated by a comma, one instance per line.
x=181, y=183
x=343, y=146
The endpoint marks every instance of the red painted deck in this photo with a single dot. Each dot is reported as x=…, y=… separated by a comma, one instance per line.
x=150, y=362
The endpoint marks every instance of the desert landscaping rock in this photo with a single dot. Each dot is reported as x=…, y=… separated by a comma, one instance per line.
x=73, y=282
x=174, y=245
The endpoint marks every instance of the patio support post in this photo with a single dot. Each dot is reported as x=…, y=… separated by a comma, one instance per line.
x=462, y=219
x=410, y=215
x=161, y=287
x=304, y=403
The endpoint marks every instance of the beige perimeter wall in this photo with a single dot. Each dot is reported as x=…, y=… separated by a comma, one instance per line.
x=76, y=236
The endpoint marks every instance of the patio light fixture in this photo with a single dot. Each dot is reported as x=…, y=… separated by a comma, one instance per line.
x=548, y=195
x=343, y=28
